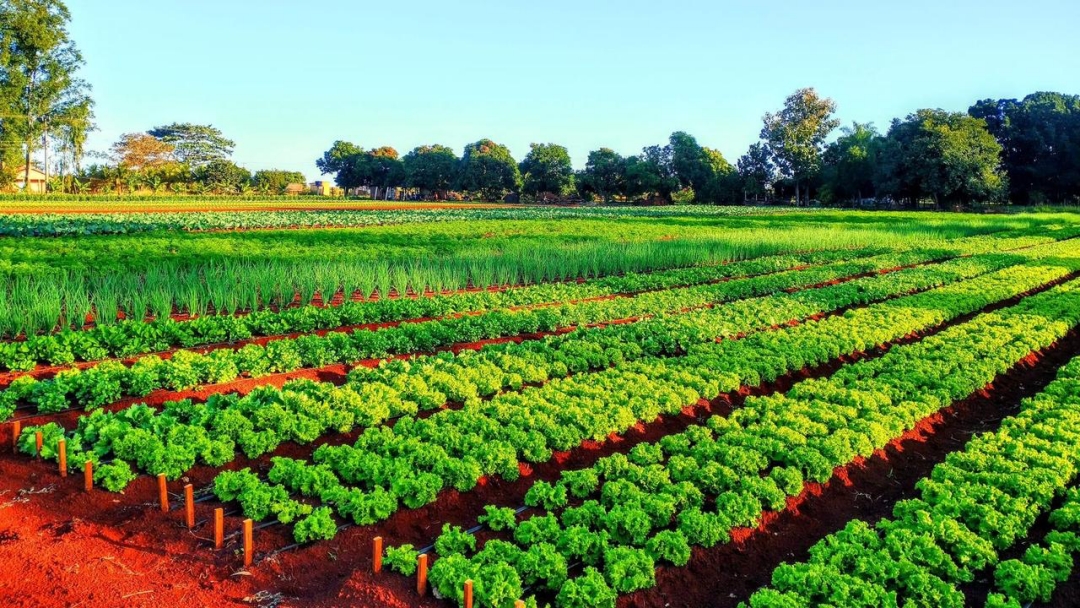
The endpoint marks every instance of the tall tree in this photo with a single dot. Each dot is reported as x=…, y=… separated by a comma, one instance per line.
x=340, y=160
x=701, y=169
x=756, y=171
x=850, y=162
x=604, y=174
x=38, y=82
x=796, y=134
x=489, y=169
x=1040, y=137
x=546, y=168
x=139, y=151
x=945, y=156
x=431, y=168
x=196, y=145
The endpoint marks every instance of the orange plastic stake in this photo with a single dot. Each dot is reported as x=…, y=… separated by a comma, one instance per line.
x=376, y=554
x=16, y=430
x=61, y=448
x=88, y=475
x=163, y=491
x=37, y=443
x=247, y=543
x=468, y=594
x=219, y=527
x=189, y=506
x=421, y=574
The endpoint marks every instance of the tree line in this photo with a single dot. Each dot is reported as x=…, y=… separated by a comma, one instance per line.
x=1025, y=151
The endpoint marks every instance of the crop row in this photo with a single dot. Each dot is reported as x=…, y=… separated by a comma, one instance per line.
x=135, y=337
x=47, y=281
x=60, y=224
x=302, y=411
x=626, y=513
x=976, y=504
x=410, y=463
x=111, y=380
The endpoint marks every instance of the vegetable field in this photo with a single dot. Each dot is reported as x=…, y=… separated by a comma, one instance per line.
x=576, y=408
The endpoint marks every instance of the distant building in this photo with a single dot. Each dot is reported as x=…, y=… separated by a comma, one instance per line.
x=37, y=180
x=296, y=189
x=322, y=188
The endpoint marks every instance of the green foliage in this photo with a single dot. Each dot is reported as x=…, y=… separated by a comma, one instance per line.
x=498, y=518
x=454, y=540
x=402, y=559
x=319, y=525
x=589, y=590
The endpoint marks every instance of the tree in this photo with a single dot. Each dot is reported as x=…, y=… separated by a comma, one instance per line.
x=652, y=174
x=340, y=160
x=703, y=170
x=795, y=136
x=756, y=172
x=945, y=156
x=546, y=168
x=38, y=82
x=604, y=174
x=276, y=180
x=195, y=145
x=1040, y=138
x=223, y=176
x=489, y=169
x=431, y=168
x=139, y=151
x=850, y=162
x=380, y=168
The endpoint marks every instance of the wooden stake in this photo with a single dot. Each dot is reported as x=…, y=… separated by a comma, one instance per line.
x=189, y=506
x=247, y=543
x=376, y=554
x=37, y=443
x=163, y=492
x=421, y=574
x=468, y=594
x=61, y=449
x=16, y=430
x=88, y=475
x=519, y=604
x=219, y=527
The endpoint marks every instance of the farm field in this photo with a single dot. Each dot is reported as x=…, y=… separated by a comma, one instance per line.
x=568, y=407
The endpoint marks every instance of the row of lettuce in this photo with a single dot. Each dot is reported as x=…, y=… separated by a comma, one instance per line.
x=599, y=532
x=135, y=337
x=978, y=504
x=110, y=381
x=171, y=441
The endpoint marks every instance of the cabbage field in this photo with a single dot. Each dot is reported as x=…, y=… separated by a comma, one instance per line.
x=574, y=407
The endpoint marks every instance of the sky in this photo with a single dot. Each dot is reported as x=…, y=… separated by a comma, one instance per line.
x=285, y=79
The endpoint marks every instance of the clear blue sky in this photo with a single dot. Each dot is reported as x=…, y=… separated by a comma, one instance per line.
x=284, y=79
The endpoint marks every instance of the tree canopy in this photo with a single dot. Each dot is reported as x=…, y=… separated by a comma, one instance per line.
x=489, y=169
x=39, y=83
x=547, y=168
x=276, y=180
x=796, y=135
x=432, y=168
x=1040, y=138
x=195, y=145
x=945, y=156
